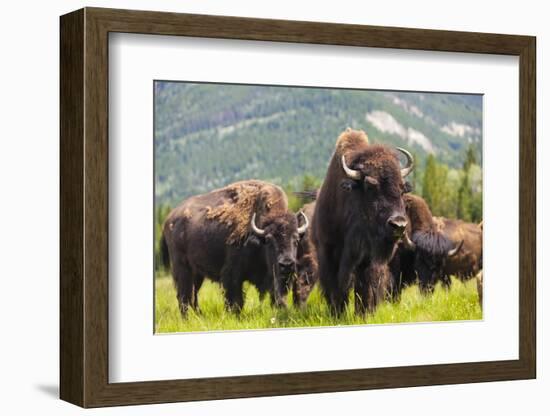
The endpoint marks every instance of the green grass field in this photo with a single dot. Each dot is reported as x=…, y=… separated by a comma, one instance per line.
x=458, y=303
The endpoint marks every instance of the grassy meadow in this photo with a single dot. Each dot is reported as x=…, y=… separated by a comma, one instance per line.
x=458, y=303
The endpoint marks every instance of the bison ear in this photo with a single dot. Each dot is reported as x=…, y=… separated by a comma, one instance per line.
x=407, y=187
x=348, y=185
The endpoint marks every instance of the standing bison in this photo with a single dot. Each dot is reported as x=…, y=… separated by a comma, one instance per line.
x=243, y=231
x=359, y=217
x=424, y=251
x=306, y=264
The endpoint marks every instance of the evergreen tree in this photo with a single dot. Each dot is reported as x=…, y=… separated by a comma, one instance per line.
x=469, y=204
x=310, y=183
x=464, y=205
x=434, y=186
x=414, y=176
x=161, y=212
x=470, y=158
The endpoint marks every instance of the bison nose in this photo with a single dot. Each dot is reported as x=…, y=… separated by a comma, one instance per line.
x=398, y=223
x=286, y=265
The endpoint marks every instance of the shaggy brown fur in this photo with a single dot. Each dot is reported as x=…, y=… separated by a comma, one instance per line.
x=211, y=235
x=419, y=213
x=243, y=199
x=428, y=258
x=350, y=229
x=469, y=261
x=351, y=140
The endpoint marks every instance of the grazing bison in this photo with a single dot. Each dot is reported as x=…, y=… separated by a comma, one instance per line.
x=359, y=217
x=424, y=251
x=469, y=260
x=243, y=231
x=306, y=264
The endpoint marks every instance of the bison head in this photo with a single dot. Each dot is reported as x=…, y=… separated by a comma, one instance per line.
x=279, y=235
x=374, y=174
x=432, y=249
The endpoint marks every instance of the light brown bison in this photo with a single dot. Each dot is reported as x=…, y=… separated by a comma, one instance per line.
x=359, y=217
x=243, y=231
x=306, y=265
x=469, y=260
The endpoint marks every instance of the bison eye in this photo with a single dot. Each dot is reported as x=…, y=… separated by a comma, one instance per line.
x=348, y=185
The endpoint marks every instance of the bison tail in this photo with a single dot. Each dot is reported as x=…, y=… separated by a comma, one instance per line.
x=164, y=255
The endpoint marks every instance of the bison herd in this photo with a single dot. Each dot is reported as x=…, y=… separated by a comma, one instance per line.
x=364, y=232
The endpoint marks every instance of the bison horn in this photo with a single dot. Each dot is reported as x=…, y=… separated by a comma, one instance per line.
x=351, y=173
x=303, y=228
x=408, y=243
x=410, y=162
x=455, y=250
x=256, y=230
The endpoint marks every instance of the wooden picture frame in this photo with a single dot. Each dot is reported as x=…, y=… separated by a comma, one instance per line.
x=84, y=207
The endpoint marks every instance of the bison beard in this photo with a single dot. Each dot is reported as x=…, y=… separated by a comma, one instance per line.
x=241, y=232
x=359, y=217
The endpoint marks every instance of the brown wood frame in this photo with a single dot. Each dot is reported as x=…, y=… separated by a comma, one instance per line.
x=84, y=207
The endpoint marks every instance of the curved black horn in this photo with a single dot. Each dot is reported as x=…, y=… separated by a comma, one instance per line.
x=351, y=173
x=410, y=162
x=303, y=228
x=256, y=230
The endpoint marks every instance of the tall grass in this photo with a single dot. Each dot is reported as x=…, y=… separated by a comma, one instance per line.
x=458, y=303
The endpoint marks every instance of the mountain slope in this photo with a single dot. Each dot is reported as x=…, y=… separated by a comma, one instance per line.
x=208, y=135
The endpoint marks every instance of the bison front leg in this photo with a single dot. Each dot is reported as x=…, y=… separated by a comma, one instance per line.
x=233, y=288
x=328, y=267
x=446, y=282
x=344, y=279
x=335, y=278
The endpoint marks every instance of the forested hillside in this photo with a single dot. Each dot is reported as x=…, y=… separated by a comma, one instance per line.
x=209, y=135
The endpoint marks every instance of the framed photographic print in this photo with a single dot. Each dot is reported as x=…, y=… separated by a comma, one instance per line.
x=255, y=207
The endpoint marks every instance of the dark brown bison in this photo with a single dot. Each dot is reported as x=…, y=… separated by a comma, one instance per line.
x=424, y=251
x=306, y=264
x=359, y=217
x=469, y=260
x=243, y=231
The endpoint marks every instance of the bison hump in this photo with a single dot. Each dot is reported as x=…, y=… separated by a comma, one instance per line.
x=350, y=140
x=240, y=201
